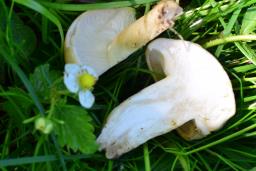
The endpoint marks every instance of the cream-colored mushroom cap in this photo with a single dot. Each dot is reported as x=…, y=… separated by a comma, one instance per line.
x=90, y=34
x=194, y=87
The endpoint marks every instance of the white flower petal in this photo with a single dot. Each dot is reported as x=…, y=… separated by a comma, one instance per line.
x=70, y=77
x=89, y=70
x=70, y=81
x=86, y=98
x=72, y=68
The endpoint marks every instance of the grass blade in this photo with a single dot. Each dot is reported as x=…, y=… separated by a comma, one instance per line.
x=84, y=7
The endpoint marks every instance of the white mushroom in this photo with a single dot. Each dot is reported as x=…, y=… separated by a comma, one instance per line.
x=102, y=38
x=195, y=88
x=90, y=34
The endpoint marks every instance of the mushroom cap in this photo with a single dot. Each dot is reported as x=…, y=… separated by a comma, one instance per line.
x=206, y=88
x=195, y=88
x=89, y=35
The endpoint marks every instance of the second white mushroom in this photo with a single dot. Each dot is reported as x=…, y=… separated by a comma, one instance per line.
x=193, y=88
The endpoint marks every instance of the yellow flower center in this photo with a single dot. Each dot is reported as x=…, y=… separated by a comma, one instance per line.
x=86, y=81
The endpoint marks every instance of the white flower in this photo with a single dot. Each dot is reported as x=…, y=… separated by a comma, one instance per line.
x=81, y=79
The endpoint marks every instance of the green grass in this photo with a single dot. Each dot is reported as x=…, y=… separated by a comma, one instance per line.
x=31, y=53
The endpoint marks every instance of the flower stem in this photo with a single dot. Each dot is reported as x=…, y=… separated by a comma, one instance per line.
x=53, y=102
x=233, y=38
x=110, y=165
x=146, y=157
x=38, y=145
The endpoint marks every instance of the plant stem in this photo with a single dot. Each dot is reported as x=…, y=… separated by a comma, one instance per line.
x=38, y=145
x=232, y=38
x=146, y=157
x=222, y=139
x=5, y=149
x=53, y=102
x=110, y=165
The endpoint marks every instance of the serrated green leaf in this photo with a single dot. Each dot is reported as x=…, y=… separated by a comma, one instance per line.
x=249, y=21
x=77, y=131
x=42, y=80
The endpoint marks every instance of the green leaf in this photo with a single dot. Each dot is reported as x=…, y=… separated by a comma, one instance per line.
x=18, y=104
x=247, y=51
x=45, y=12
x=12, y=62
x=3, y=15
x=245, y=68
x=77, y=131
x=253, y=169
x=249, y=21
x=42, y=80
x=23, y=37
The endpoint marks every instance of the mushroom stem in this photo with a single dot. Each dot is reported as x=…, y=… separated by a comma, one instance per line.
x=141, y=118
x=146, y=28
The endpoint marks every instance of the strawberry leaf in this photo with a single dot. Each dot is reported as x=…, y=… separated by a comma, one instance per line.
x=77, y=131
x=42, y=80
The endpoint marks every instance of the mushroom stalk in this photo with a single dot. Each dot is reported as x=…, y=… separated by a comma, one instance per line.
x=146, y=28
x=194, y=91
x=142, y=117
